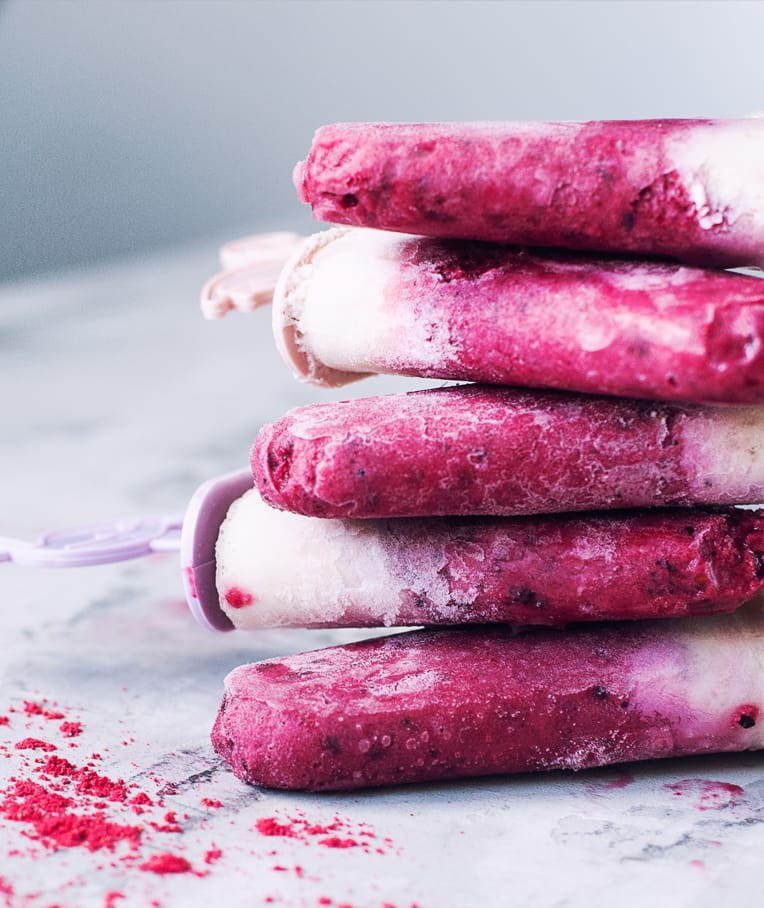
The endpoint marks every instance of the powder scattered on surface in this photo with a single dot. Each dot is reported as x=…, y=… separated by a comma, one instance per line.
x=5, y=888
x=271, y=826
x=166, y=863
x=335, y=841
x=56, y=825
x=60, y=804
x=90, y=782
x=63, y=802
x=339, y=833
x=58, y=766
x=38, y=709
x=34, y=744
x=212, y=855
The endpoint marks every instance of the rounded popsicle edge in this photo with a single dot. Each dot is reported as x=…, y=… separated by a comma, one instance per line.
x=205, y=513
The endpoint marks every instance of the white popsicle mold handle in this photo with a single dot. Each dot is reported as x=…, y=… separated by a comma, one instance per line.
x=194, y=536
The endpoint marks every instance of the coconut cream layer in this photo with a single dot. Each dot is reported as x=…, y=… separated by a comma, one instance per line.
x=277, y=569
x=719, y=674
x=722, y=168
x=329, y=310
x=723, y=454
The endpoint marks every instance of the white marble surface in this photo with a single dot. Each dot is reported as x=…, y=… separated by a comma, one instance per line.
x=120, y=400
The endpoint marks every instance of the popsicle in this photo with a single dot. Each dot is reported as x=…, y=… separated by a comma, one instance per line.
x=498, y=451
x=278, y=569
x=692, y=190
x=441, y=704
x=354, y=301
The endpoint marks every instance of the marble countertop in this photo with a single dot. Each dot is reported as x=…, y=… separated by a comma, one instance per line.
x=120, y=400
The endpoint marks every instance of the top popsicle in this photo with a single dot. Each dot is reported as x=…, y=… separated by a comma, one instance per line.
x=691, y=190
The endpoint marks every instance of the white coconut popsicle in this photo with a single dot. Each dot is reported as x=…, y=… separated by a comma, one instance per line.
x=354, y=302
x=275, y=568
x=452, y=703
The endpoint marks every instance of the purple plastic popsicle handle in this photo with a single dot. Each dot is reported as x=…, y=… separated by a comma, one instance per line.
x=205, y=513
x=95, y=543
x=122, y=539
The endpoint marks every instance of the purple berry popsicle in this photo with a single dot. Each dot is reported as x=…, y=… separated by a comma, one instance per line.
x=276, y=569
x=355, y=301
x=442, y=704
x=498, y=451
x=692, y=190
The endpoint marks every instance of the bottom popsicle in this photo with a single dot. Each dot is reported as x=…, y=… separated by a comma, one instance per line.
x=434, y=705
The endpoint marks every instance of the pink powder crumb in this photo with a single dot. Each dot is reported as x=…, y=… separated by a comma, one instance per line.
x=324, y=900
x=237, y=598
x=111, y=898
x=70, y=729
x=271, y=826
x=335, y=841
x=58, y=766
x=166, y=863
x=37, y=709
x=212, y=855
x=141, y=798
x=5, y=720
x=34, y=744
x=211, y=802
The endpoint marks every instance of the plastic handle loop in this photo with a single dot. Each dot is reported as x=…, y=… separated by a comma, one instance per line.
x=98, y=543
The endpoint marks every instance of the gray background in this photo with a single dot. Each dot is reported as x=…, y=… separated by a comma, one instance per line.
x=128, y=125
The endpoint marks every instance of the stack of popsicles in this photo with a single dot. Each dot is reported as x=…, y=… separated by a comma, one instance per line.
x=588, y=471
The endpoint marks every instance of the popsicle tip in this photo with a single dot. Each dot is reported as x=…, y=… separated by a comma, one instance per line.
x=288, y=303
x=299, y=178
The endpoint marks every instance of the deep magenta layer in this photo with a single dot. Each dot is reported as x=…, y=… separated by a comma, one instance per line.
x=616, y=186
x=487, y=450
x=564, y=568
x=633, y=329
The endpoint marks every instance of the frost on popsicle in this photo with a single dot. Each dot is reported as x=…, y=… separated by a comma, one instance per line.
x=276, y=569
x=432, y=705
x=498, y=451
x=691, y=190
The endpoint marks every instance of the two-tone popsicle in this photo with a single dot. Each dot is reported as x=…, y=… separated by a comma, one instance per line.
x=354, y=301
x=274, y=568
x=433, y=705
x=475, y=449
x=692, y=190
